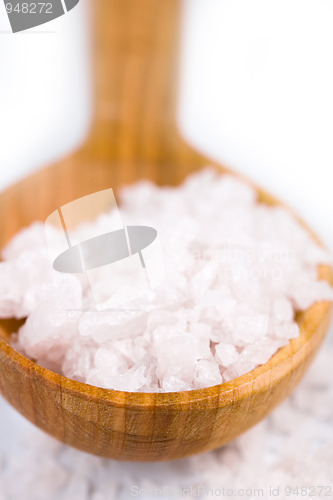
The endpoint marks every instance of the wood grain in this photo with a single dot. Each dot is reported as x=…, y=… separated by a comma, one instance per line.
x=134, y=136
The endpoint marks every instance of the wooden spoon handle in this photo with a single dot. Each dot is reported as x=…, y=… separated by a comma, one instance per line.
x=136, y=72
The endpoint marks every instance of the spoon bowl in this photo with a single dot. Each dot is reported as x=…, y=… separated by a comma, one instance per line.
x=133, y=137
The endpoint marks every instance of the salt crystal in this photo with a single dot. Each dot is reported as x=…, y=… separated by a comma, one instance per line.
x=29, y=238
x=171, y=383
x=49, y=330
x=206, y=374
x=226, y=354
x=310, y=292
x=159, y=317
x=178, y=356
x=282, y=310
x=121, y=382
x=249, y=328
x=78, y=361
x=287, y=330
x=22, y=282
x=109, y=361
x=103, y=326
x=200, y=330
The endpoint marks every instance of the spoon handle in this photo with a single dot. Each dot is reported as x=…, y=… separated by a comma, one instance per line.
x=136, y=47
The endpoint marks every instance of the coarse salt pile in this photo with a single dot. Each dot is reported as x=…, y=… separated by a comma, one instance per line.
x=236, y=272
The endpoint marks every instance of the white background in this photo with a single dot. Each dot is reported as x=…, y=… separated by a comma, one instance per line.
x=44, y=92
x=256, y=94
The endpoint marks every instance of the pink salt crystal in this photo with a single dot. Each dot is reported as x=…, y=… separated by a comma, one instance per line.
x=200, y=330
x=22, y=281
x=159, y=317
x=29, y=238
x=166, y=333
x=47, y=334
x=215, y=306
x=188, y=315
x=65, y=292
x=206, y=374
x=204, y=279
x=78, y=361
x=260, y=351
x=10, y=294
x=253, y=355
x=133, y=195
x=282, y=310
x=233, y=190
x=104, y=325
x=49, y=329
x=218, y=309
x=109, y=361
x=226, y=354
x=152, y=382
x=314, y=254
x=286, y=330
x=131, y=380
x=249, y=328
x=171, y=383
x=311, y=291
x=178, y=356
x=132, y=350
x=194, y=184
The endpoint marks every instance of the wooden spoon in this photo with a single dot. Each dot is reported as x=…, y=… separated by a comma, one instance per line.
x=134, y=136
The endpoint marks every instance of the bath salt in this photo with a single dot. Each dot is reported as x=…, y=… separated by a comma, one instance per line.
x=236, y=273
